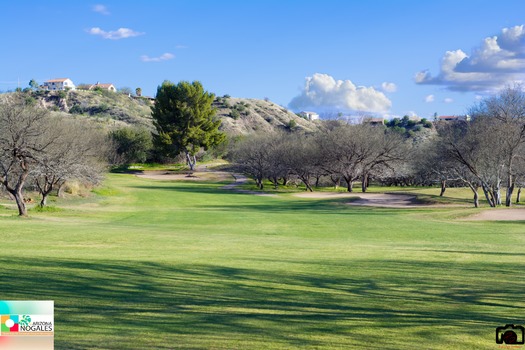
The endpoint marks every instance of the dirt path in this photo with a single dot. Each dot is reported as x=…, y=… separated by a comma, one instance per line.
x=241, y=180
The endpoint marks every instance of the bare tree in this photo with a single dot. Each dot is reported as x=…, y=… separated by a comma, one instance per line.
x=77, y=153
x=303, y=158
x=357, y=152
x=382, y=149
x=507, y=110
x=465, y=143
x=253, y=155
x=24, y=132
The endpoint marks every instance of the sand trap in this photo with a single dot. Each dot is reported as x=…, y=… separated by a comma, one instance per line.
x=498, y=215
x=370, y=199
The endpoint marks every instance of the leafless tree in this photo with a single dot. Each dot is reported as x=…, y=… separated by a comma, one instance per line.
x=24, y=132
x=78, y=152
x=465, y=143
x=357, y=152
x=36, y=147
x=507, y=111
x=253, y=155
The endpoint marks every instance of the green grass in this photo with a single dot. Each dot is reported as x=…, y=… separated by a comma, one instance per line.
x=160, y=265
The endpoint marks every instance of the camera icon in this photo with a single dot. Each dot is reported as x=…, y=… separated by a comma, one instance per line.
x=510, y=334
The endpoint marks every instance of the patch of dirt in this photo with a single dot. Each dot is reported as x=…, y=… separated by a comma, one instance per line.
x=241, y=180
x=498, y=215
x=195, y=176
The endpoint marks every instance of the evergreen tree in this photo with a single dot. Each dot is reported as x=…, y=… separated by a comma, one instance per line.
x=185, y=120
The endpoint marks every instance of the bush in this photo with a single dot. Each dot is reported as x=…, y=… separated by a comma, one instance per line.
x=76, y=109
x=235, y=114
x=132, y=144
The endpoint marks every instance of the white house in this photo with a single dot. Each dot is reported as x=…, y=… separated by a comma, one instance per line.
x=309, y=115
x=108, y=87
x=59, y=84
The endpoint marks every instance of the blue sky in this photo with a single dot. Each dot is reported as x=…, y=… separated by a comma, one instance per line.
x=377, y=57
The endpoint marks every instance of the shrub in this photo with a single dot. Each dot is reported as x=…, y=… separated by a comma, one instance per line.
x=132, y=144
x=76, y=109
x=235, y=114
x=291, y=124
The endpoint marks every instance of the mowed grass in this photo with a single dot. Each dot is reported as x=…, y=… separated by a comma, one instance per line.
x=165, y=265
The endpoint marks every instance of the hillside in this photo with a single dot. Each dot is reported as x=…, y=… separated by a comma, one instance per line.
x=244, y=116
x=239, y=116
x=101, y=105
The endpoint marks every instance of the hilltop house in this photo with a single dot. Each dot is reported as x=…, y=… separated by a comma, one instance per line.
x=106, y=87
x=59, y=84
x=374, y=121
x=309, y=115
x=453, y=118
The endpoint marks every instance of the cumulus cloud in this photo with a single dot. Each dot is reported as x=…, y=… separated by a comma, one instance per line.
x=103, y=10
x=388, y=87
x=429, y=98
x=164, y=57
x=448, y=100
x=497, y=61
x=121, y=33
x=323, y=92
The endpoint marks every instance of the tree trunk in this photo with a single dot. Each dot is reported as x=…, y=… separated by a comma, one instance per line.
x=19, y=198
x=191, y=160
x=476, y=198
x=518, y=195
x=497, y=196
x=43, y=201
x=475, y=191
x=349, y=186
x=443, y=187
x=510, y=189
x=306, y=181
x=45, y=194
x=364, y=183
x=336, y=181
x=488, y=196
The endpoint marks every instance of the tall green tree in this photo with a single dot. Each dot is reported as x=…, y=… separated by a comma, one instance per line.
x=185, y=120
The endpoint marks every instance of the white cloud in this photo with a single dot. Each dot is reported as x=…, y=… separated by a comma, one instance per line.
x=323, y=92
x=101, y=9
x=164, y=57
x=497, y=61
x=388, y=87
x=121, y=33
x=448, y=100
x=429, y=98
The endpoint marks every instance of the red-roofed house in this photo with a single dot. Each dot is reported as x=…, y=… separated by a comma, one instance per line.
x=59, y=84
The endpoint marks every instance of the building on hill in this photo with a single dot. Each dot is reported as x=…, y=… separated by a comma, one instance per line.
x=309, y=115
x=58, y=84
x=374, y=121
x=453, y=118
x=106, y=87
